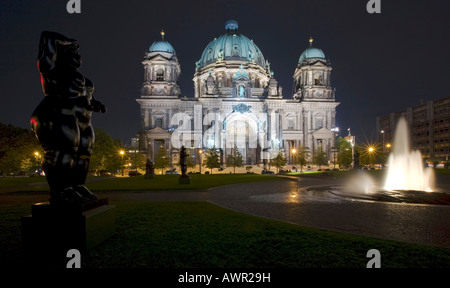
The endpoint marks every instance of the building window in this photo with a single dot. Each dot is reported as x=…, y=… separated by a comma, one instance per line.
x=317, y=79
x=291, y=124
x=160, y=75
x=159, y=122
x=319, y=123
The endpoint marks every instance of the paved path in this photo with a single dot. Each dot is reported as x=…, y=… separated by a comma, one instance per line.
x=288, y=201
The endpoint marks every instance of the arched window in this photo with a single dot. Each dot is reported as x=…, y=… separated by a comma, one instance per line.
x=317, y=79
x=319, y=122
x=160, y=75
x=159, y=122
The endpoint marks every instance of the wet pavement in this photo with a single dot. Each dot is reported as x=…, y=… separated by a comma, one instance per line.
x=293, y=202
x=302, y=202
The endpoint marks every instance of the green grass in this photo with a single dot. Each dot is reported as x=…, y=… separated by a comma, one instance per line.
x=200, y=234
x=140, y=183
x=442, y=171
x=7, y=182
x=170, y=182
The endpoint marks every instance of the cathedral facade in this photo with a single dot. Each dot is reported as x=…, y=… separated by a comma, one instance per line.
x=238, y=102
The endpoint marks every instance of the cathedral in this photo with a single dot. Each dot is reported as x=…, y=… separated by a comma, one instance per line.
x=238, y=102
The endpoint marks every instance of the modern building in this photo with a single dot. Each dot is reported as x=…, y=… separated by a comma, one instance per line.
x=429, y=125
x=237, y=102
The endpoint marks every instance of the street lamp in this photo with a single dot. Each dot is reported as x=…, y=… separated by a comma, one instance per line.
x=293, y=155
x=200, y=157
x=122, y=153
x=38, y=159
x=371, y=150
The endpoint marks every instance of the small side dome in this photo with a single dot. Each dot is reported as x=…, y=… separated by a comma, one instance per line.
x=311, y=52
x=161, y=46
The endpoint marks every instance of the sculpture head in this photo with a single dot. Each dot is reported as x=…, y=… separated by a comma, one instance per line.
x=58, y=63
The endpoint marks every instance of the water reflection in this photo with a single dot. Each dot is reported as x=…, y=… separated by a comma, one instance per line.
x=299, y=195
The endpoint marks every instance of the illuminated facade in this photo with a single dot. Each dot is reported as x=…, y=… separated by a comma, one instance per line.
x=237, y=102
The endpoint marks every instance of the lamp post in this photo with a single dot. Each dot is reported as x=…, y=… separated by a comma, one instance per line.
x=371, y=149
x=122, y=153
x=200, y=158
x=293, y=155
x=38, y=159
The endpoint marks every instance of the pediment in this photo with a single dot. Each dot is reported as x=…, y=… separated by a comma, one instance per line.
x=159, y=57
x=318, y=63
x=158, y=130
x=241, y=79
x=322, y=132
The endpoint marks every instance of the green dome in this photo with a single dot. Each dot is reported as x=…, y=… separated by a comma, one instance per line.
x=310, y=53
x=231, y=46
x=161, y=46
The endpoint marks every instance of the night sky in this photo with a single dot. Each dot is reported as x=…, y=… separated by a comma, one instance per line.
x=381, y=63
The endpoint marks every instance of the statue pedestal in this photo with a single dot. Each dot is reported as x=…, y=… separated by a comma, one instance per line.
x=51, y=231
x=184, y=179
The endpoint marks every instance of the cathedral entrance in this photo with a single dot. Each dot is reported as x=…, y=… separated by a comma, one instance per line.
x=241, y=132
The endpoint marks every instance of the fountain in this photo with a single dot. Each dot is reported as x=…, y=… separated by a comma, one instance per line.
x=406, y=170
x=406, y=179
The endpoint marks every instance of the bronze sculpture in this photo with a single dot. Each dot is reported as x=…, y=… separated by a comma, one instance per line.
x=149, y=170
x=62, y=121
x=184, y=178
x=183, y=163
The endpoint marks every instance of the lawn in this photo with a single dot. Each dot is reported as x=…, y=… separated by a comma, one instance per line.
x=170, y=182
x=202, y=235
x=139, y=183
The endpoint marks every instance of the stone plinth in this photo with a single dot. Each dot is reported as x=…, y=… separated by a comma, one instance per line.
x=50, y=231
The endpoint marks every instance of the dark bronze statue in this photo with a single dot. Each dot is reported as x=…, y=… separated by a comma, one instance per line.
x=184, y=178
x=149, y=170
x=183, y=163
x=62, y=121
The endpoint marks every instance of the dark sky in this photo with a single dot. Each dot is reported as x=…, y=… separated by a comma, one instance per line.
x=381, y=62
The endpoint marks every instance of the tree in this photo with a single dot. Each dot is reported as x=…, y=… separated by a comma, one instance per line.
x=190, y=162
x=162, y=159
x=17, y=149
x=137, y=160
x=320, y=157
x=279, y=161
x=105, y=155
x=301, y=157
x=212, y=159
x=344, y=157
x=234, y=159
